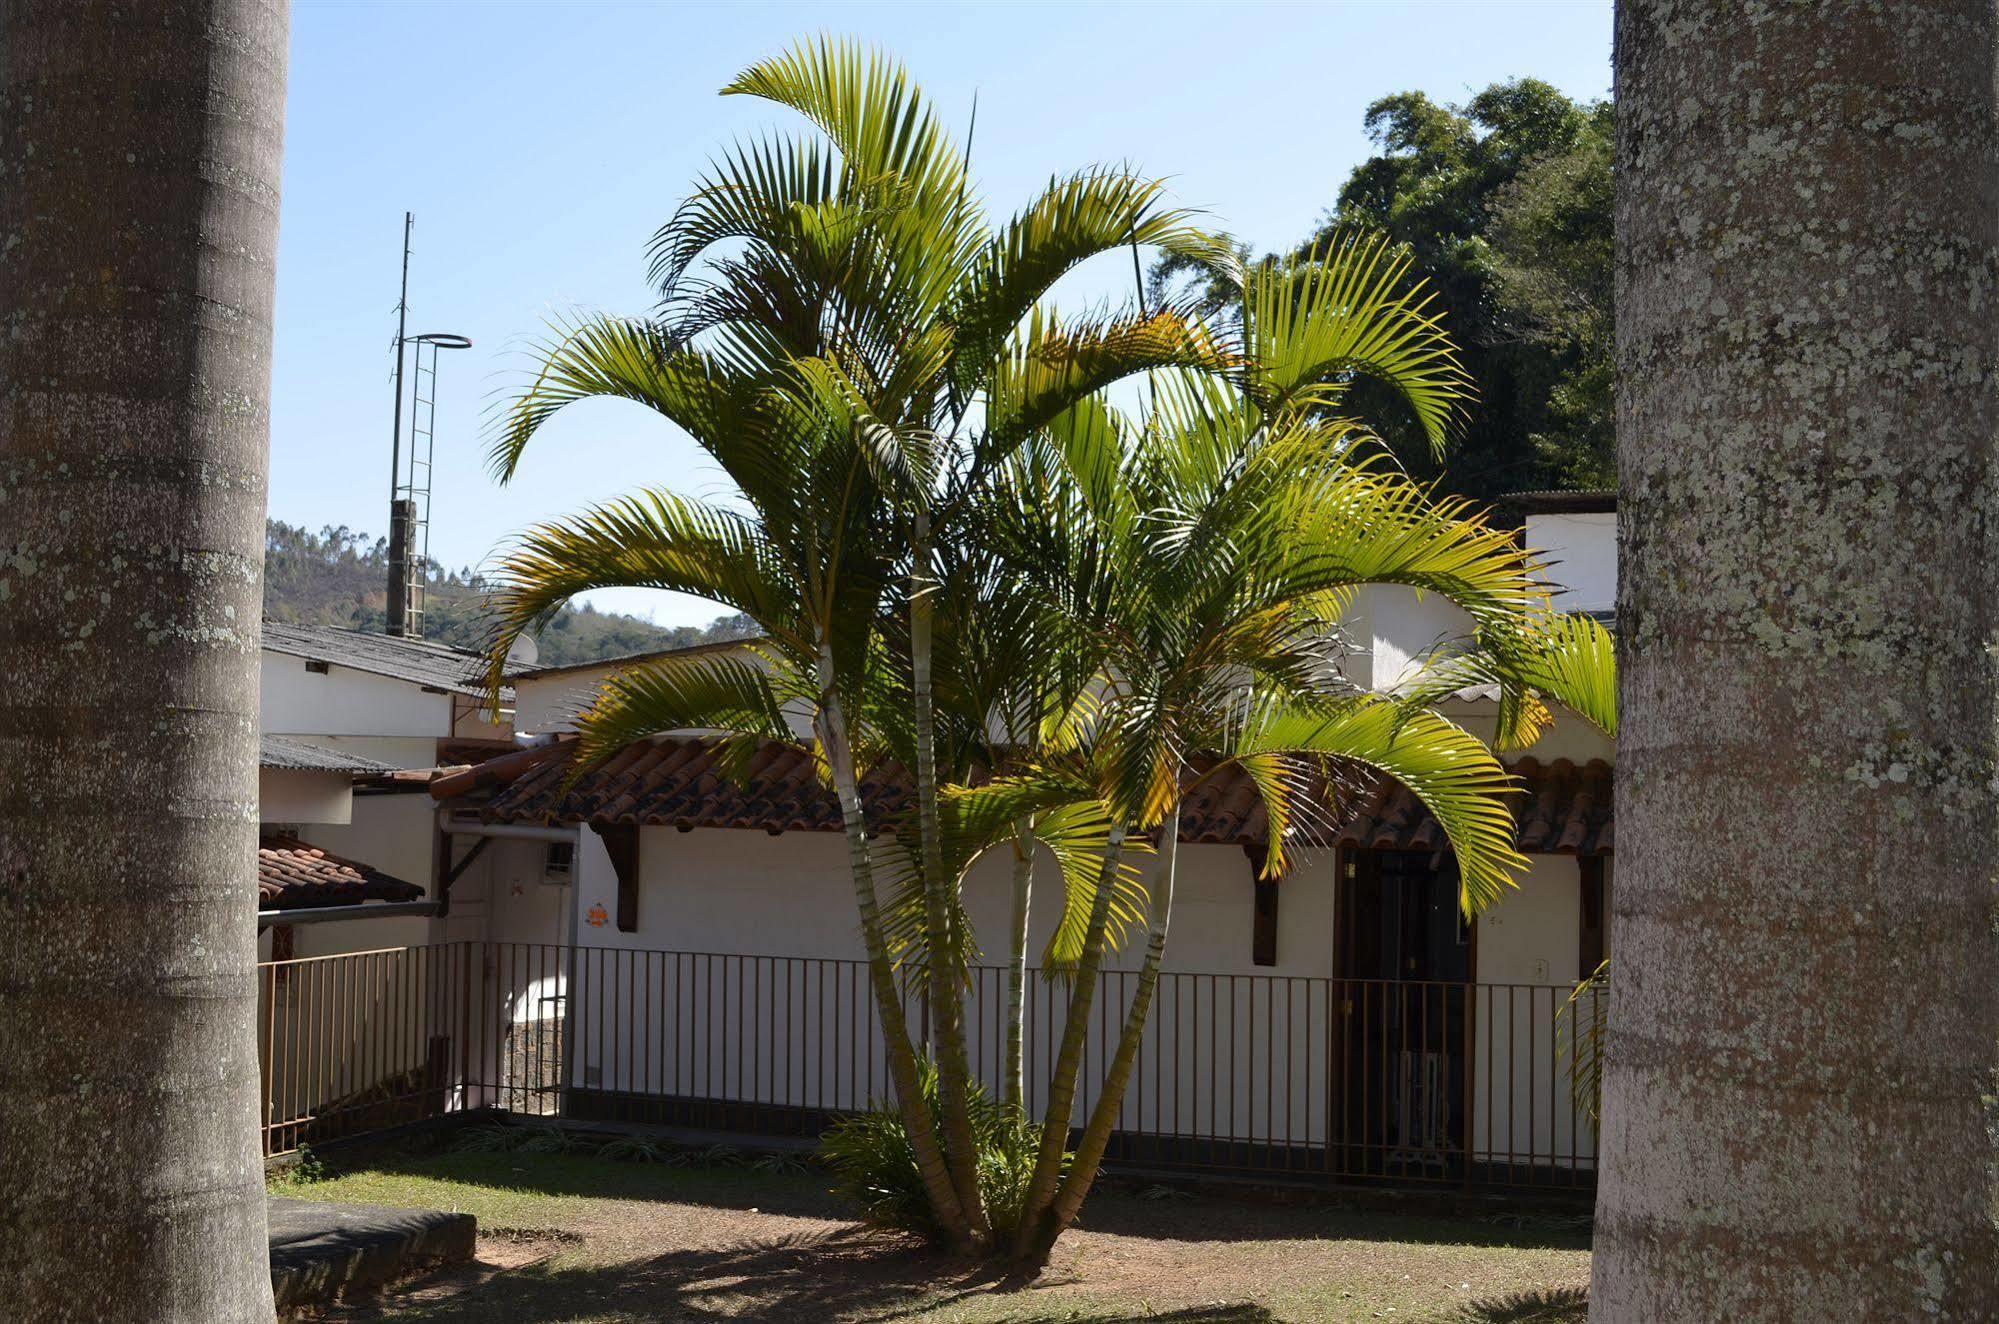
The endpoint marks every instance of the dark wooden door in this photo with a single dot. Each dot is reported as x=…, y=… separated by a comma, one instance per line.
x=1404, y=967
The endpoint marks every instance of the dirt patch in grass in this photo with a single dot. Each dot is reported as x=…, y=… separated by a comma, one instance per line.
x=602, y=1242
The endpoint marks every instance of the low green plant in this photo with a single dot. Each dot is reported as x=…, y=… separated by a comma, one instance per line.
x=874, y=1165
x=305, y=1169
x=491, y=1139
x=551, y=1140
x=638, y=1149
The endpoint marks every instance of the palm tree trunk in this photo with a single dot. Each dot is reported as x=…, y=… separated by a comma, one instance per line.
x=141, y=148
x=1117, y=1076
x=947, y=1024
x=1014, y=1070
x=1800, y=1121
x=1062, y=1080
x=881, y=971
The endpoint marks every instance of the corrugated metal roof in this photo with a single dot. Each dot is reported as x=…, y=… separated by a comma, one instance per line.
x=286, y=752
x=418, y=661
x=632, y=659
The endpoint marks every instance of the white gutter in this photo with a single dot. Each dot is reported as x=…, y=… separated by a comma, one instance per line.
x=333, y=914
x=472, y=827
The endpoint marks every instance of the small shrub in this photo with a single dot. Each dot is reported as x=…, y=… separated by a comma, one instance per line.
x=874, y=1166
x=305, y=1169
x=777, y=1164
x=716, y=1156
x=549, y=1140
x=637, y=1149
x=490, y=1139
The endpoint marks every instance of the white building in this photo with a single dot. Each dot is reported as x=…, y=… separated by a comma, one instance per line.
x=1342, y=1016
x=353, y=726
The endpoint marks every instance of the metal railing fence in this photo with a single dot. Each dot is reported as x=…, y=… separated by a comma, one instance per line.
x=1290, y=1075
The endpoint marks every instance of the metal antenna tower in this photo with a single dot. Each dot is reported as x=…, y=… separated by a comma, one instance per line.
x=409, y=484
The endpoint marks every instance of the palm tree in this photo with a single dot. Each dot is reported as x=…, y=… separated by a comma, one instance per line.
x=1237, y=530
x=857, y=281
x=1800, y=1120
x=142, y=158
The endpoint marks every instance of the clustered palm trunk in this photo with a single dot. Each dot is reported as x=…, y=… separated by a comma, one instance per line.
x=966, y=559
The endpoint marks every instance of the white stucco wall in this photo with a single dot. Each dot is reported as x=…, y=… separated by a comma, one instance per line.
x=1397, y=626
x=1581, y=556
x=298, y=796
x=345, y=702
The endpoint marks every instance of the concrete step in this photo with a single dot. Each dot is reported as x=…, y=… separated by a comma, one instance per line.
x=322, y=1250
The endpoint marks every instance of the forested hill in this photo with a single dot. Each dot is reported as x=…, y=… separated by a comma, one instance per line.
x=340, y=577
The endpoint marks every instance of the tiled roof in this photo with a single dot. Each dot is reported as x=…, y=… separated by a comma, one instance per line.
x=1565, y=810
x=291, y=874
x=675, y=781
x=299, y=755
x=418, y=661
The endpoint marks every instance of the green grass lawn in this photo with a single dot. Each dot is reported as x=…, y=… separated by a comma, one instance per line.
x=608, y=1241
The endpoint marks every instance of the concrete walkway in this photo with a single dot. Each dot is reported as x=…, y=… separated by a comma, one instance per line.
x=321, y=1251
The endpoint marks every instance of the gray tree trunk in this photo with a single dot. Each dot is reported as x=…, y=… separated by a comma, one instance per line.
x=138, y=228
x=1801, y=1097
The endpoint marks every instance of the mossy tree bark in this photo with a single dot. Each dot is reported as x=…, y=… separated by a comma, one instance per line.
x=138, y=232
x=1801, y=1096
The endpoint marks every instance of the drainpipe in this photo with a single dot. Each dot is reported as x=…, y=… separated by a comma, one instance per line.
x=452, y=825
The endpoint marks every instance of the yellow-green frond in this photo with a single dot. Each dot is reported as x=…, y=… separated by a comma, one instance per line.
x=1349, y=310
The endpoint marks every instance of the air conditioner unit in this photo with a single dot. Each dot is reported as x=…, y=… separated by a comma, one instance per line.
x=558, y=864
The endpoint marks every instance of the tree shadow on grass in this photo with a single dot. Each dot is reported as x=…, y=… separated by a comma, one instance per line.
x=841, y=1274
x=1219, y=1218
x=1558, y=1305
x=846, y=1275
x=803, y=1194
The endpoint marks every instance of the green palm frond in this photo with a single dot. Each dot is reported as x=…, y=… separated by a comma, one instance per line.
x=1580, y=1031
x=1566, y=658
x=1362, y=523
x=1054, y=364
x=1447, y=768
x=601, y=356
x=726, y=695
x=758, y=192
x=865, y=103
x=1350, y=310
x=1078, y=836
x=1075, y=218
x=647, y=540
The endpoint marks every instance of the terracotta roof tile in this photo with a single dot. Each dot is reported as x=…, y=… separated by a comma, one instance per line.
x=1563, y=810
x=291, y=873
x=677, y=781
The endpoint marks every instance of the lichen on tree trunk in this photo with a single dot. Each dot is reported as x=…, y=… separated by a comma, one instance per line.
x=1801, y=1094
x=138, y=229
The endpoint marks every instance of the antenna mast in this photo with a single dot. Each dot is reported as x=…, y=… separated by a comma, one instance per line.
x=409, y=488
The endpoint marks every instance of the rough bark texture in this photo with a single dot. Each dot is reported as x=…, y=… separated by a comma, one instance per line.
x=138, y=227
x=1801, y=1098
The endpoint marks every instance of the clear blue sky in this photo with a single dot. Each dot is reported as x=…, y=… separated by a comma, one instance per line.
x=541, y=144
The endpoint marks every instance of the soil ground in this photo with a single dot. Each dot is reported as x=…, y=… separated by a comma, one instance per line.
x=595, y=1241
